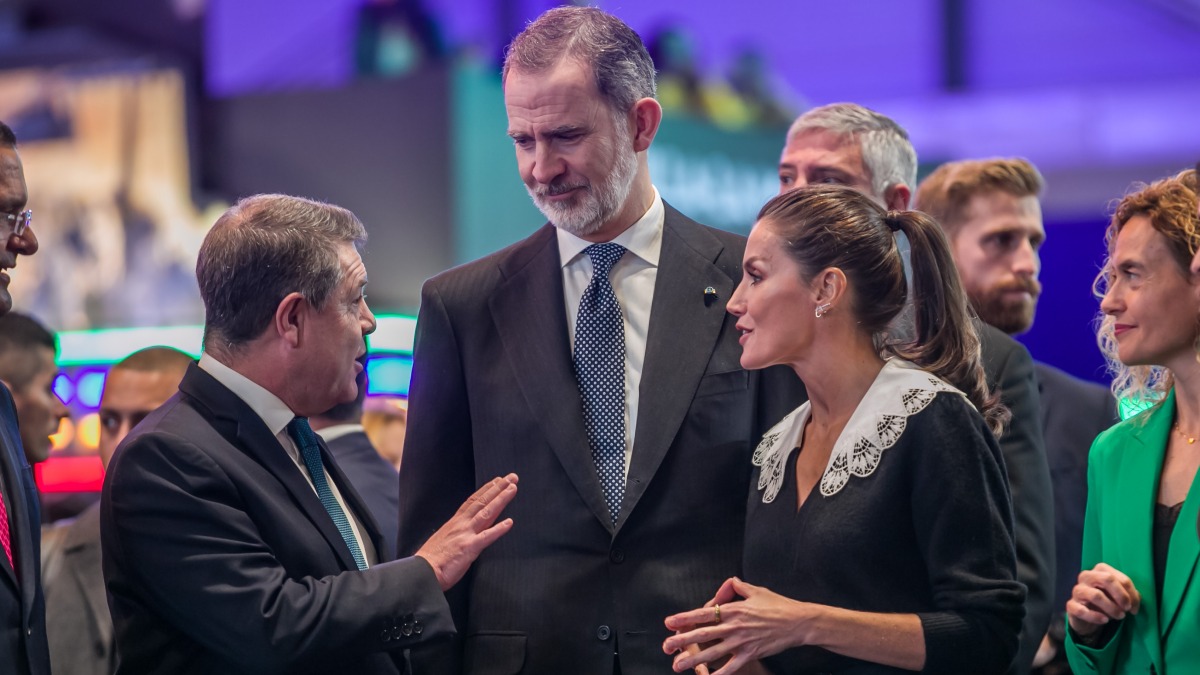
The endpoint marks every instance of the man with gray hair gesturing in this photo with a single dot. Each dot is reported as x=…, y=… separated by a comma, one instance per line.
x=850, y=145
x=232, y=542
x=595, y=359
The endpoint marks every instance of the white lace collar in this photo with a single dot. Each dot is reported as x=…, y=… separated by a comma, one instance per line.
x=900, y=390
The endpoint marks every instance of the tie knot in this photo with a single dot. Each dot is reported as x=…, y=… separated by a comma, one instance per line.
x=300, y=429
x=604, y=256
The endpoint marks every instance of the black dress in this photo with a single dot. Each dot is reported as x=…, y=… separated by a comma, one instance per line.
x=921, y=526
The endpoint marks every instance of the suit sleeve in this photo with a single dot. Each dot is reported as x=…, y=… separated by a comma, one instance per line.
x=182, y=527
x=437, y=473
x=1024, y=453
x=1101, y=659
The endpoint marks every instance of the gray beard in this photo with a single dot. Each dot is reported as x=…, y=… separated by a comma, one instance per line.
x=599, y=203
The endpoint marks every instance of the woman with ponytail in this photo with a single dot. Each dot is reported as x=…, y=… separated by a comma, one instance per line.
x=879, y=535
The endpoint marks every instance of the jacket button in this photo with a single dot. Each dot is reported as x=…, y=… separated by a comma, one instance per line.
x=617, y=556
x=603, y=633
x=417, y=627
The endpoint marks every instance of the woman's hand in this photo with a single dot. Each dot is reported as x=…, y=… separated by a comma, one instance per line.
x=1102, y=595
x=761, y=624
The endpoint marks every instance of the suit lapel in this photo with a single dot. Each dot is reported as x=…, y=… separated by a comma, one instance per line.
x=1137, y=484
x=684, y=328
x=243, y=428
x=530, y=318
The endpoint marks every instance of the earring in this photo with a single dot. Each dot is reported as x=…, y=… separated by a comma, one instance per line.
x=821, y=309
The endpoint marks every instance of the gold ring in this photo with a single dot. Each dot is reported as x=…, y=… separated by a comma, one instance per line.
x=717, y=613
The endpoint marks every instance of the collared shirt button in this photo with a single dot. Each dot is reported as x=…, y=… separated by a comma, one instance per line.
x=617, y=556
x=603, y=633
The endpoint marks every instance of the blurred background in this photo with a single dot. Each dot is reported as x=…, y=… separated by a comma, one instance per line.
x=141, y=120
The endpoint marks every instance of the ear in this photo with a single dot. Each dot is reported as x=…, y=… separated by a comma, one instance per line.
x=829, y=286
x=897, y=197
x=647, y=115
x=290, y=317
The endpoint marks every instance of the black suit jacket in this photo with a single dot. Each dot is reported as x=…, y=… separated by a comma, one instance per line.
x=1074, y=412
x=1010, y=370
x=219, y=557
x=374, y=479
x=23, y=647
x=494, y=391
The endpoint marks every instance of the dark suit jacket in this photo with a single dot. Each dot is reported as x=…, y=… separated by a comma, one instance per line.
x=1010, y=370
x=1074, y=412
x=22, y=609
x=77, y=621
x=374, y=479
x=219, y=557
x=494, y=391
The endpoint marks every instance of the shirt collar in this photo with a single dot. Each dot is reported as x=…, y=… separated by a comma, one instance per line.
x=643, y=238
x=268, y=406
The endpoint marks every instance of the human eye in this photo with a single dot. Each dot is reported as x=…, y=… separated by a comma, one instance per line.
x=523, y=142
x=110, y=422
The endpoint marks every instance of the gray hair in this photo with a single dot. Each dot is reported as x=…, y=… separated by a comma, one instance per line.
x=622, y=67
x=887, y=153
x=260, y=250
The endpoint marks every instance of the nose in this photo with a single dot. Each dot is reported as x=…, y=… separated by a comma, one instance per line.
x=26, y=244
x=547, y=164
x=367, y=319
x=737, y=303
x=1026, y=261
x=1112, y=302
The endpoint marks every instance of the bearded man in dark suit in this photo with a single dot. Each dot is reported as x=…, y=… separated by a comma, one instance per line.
x=231, y=540
x=595, y=358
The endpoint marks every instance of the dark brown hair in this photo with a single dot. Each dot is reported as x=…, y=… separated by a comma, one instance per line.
x=834, y=226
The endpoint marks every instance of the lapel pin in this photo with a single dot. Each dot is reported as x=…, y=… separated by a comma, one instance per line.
x=710, y=294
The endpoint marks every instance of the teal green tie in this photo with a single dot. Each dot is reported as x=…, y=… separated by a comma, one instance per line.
x=310, y=450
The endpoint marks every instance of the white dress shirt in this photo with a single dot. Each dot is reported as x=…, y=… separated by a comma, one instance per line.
x=276, y=415
x=633, y=278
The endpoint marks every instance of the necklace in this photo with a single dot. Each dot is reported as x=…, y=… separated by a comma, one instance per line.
x=1190, y=439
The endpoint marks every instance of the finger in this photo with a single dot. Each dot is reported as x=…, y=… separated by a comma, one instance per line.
x=492, y=510
x=726, y=592
x=707, y=654
x=742, y=588
x=1115, y=590
x=1096, y=599
x=733, y=665
x=484, y=496
x=692, y=618
x=490, y=535
x=1113, y=578
x=1083, y=619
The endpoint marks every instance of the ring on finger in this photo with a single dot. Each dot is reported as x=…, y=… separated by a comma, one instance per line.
x=716, y=614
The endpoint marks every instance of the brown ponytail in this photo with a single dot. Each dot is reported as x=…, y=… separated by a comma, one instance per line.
x=947, y=342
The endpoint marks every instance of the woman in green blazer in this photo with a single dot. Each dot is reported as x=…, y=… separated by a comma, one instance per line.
x=1136, y=608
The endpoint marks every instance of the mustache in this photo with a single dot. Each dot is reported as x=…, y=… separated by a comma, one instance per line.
x=558, y=188
x=1028, y=285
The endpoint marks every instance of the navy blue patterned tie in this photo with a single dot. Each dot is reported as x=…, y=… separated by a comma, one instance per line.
x=600, y=371
x=311, y=452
